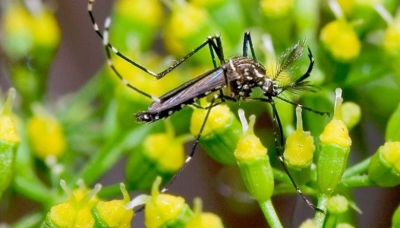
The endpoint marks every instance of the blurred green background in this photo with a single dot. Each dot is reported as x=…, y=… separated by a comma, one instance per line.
x=62, y=73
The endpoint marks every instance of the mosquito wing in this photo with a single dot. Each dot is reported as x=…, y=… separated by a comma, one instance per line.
x=188, y=92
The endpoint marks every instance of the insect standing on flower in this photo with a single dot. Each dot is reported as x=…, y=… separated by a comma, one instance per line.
x=233, y=80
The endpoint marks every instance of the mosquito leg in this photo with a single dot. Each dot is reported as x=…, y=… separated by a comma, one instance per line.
x=115, y=50
x=310, y=67
x=105, y=37
x=303, y=107
x=210, y=41
x=247, y=41
x=279, y=144
x=112, y=66
x=213, y=47
x=195, y=144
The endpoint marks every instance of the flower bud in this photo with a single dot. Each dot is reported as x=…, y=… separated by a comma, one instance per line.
x=337, y=204
x=396, y=218
x=298, y=154
x=253, y=162
x=276, y=9
x=392, y=36
x=45, y=134
x=384, y=167
x=138, y=20
x=186, y=26
x=220, y=133
x=351, y=114
x=17, y=37
x=203, y=219
x=162, y=210
x=338, y=36
x=9, y=141
x=335, y=148
x=75, y=212
x=113, y=213
x=161, y=154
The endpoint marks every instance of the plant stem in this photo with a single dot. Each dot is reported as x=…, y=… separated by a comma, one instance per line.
x=270, y=214
x=357, y=169
x=357, y=181
x=320, y=216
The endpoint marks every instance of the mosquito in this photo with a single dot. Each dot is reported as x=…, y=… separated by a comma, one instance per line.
x=233, y=80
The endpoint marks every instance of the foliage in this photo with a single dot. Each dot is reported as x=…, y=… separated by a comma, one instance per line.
x=356, y=46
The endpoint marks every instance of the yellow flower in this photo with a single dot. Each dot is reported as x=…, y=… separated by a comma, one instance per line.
x=161, y=209
x=340, y=39
x=113, y=213
x=203, y=219
x=276, y=8
x=45, y=134
x=75, y=212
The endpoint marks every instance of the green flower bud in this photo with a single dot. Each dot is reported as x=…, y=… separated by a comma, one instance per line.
x=203, y=219
x=335, y=148
x=384, y=167
x=276, y=9
x=351, y=114
x=162, y=210
x=396, y=218
x=392, y=36
x=76, y=211
x=138, y=20
x=298, y=154
x=220, y=134
x=34, y=36
x=253, y=162
x=337, y=36
x=186, y=26
x=337, y=204
x=45, y=134
x=113, y=213
x=9, y=141
x=160, y=154
x=17, y=39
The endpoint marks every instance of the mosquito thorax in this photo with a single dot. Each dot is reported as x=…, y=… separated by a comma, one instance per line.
x=244, y=74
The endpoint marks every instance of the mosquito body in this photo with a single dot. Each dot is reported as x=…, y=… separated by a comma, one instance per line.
x=240, y=74
x=232, y=80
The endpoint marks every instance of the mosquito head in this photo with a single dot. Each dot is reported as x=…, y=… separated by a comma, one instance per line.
x=270, y=88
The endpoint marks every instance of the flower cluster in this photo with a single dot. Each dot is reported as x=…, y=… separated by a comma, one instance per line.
x=81, y=137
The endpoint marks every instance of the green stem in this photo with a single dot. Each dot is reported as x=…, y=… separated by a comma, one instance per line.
x=357, y=181
x=280, y=175
x=282, y=189
x=270, y=213
x=357, y=169
x=25, y=180
x=331, y=221
x=109, y=191
x=320, y=216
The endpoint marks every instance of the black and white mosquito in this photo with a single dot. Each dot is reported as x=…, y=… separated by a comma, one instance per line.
x=233, y=80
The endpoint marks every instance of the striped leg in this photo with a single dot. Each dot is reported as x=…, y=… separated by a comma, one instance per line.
x=280, y=147
x=213, y=42
x=195, y=144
